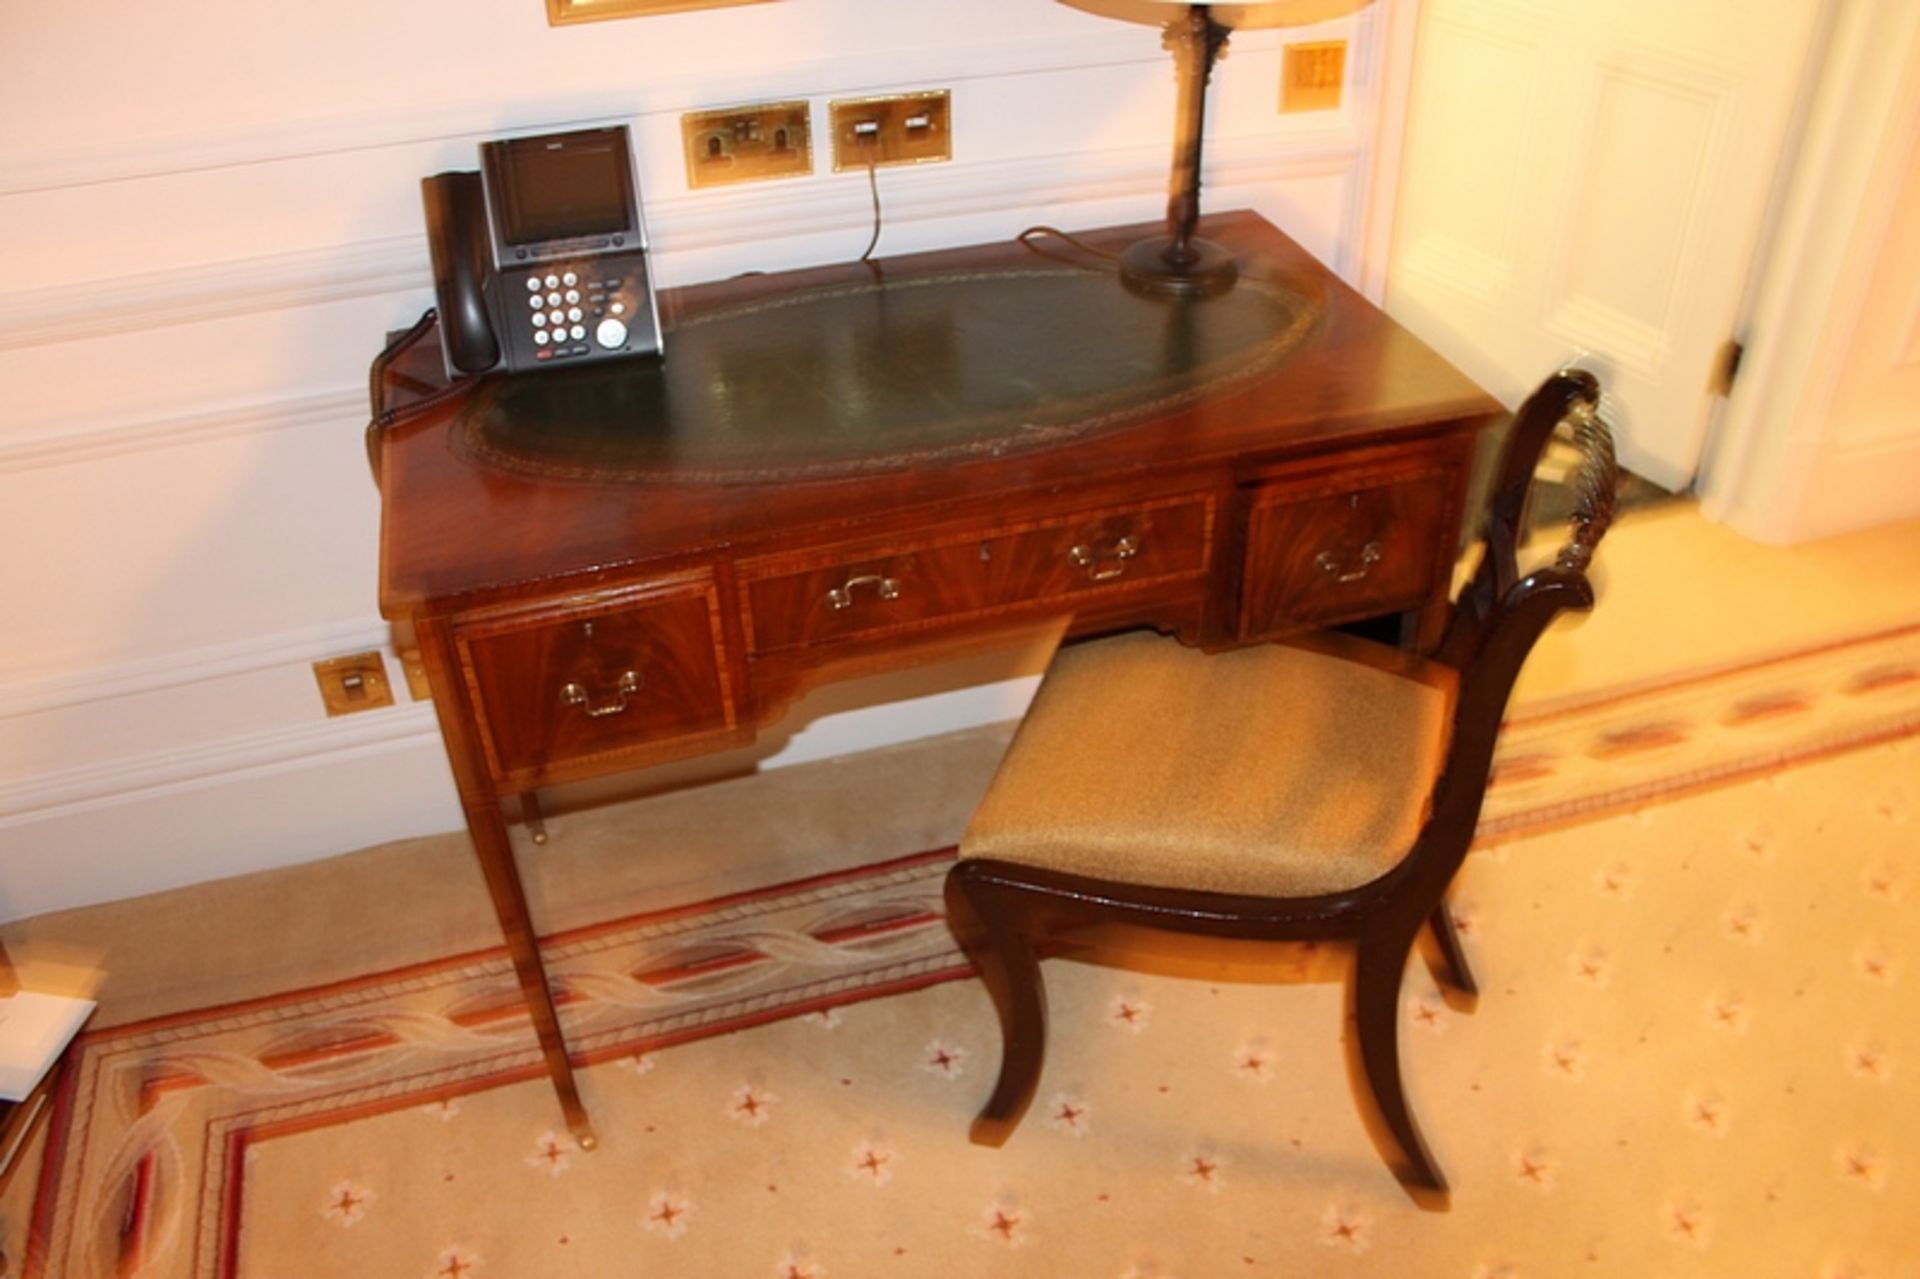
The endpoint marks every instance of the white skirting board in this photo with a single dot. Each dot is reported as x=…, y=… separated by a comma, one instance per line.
x=383, y=775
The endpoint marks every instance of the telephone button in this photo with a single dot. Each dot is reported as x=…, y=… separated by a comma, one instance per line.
x=557, y=317
x=553, y=281
x=533, y=284
x=553, y=299
x=618, y=308
x=577, y=332
x=610, y=333
x=574, y=313
x=569, y=279
x=539, y=337
x=573, y=295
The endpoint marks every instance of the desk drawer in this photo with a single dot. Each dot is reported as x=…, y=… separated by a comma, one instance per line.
x=615, y=678
x=862, y=589
x=1319, y=555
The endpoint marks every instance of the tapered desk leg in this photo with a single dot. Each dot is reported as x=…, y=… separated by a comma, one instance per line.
x=487, y=825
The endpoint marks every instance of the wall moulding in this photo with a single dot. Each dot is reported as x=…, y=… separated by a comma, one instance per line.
x=188, y=295
x=40, y=796
x=75, y=165
x=27, y=694
x=706, y=221
x=72, y=444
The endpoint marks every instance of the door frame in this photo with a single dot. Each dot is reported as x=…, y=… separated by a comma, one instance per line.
x=1860, y=72
x=1862, y=107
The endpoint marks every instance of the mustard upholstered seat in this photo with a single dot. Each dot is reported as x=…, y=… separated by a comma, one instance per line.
x=1324, y=788
x=1278, y=771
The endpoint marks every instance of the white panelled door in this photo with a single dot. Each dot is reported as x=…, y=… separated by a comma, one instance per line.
x=1589, y=179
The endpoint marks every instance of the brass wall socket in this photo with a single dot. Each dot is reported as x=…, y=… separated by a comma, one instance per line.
x=1312, y=75
x=747, y=144
x=355, y=683
x=900, y=128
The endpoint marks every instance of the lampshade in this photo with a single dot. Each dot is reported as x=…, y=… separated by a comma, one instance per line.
x=1179, y=263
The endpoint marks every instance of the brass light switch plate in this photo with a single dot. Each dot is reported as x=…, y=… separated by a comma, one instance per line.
x=1312, y=75
x=902, y=128
x=747, y=144
x=356, y=683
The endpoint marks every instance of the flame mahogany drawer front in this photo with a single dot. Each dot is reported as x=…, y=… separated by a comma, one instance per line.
x=854, y=589
x=577, y=683
x=1319, y=554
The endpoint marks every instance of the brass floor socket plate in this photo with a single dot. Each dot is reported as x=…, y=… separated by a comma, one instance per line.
x=747, y=144
x=901, y=128
x=356, y=683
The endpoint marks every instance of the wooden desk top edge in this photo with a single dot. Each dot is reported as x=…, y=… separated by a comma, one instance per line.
x=588, y=529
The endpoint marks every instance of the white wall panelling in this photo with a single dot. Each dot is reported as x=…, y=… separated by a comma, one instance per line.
x=220, y=239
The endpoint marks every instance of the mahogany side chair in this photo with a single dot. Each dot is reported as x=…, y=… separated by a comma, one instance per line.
x=1321, y=788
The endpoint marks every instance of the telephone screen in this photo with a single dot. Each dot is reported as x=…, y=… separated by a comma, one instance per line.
x=556, y=189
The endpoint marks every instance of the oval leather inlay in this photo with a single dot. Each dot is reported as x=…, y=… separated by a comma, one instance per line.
x=882, y=376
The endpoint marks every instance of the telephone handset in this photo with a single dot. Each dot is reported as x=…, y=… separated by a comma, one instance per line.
x=462, y=269
x=540, y=257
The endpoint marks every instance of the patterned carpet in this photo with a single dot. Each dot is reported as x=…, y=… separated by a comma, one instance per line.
x=1689, y=910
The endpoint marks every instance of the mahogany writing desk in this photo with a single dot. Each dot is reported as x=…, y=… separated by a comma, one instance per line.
x=848, y=468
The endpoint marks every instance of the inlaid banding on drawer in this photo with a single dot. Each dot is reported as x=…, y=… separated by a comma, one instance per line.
x=969, y=572
x=1319, y=554
x=560, y=690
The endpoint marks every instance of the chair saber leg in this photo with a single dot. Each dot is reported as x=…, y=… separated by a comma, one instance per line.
x=1378, y=966
x=1011, y=972
x=1458, y=974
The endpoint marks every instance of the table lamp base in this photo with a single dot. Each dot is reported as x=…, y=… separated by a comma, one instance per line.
x=1206, y=268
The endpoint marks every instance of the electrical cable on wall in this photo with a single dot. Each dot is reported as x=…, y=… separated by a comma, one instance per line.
x=873, y=185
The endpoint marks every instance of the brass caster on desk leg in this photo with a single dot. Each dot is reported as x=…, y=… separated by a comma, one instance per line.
x=535, y=818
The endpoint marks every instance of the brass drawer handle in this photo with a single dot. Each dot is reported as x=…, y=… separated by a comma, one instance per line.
x=841, y=597
x=1084, y=556
x=1329, y=563
x=576, y=695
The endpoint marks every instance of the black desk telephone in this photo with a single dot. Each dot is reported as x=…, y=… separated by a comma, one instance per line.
x=540, y=258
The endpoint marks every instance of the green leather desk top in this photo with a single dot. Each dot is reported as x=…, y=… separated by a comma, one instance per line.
x=882, y=375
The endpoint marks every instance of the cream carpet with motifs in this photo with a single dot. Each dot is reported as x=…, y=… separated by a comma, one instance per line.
x=1692, y=913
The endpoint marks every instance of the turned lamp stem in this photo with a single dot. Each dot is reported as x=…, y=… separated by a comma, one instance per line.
x=1180, y=262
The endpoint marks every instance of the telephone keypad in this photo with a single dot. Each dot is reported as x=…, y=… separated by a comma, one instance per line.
x=573, y=314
